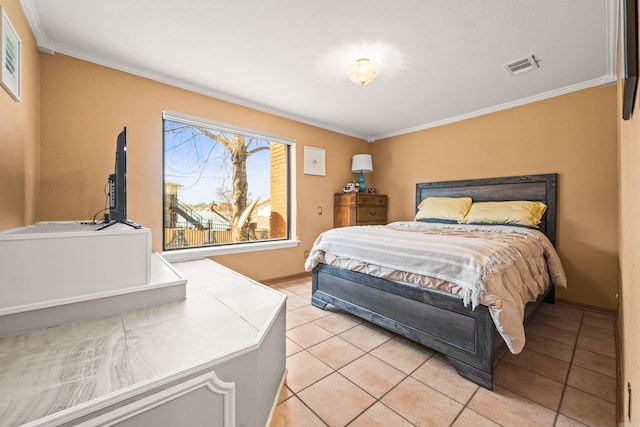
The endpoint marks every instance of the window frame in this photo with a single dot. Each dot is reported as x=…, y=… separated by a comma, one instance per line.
x=235, y=247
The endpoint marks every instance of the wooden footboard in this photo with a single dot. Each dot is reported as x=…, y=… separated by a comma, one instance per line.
x=434, y=319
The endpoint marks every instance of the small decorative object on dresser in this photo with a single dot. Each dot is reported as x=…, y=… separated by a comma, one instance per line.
x=371, y=190
x=359, y=209
x=351, y=187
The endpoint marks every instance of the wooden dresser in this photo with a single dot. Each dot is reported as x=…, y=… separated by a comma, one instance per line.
x=359, y=209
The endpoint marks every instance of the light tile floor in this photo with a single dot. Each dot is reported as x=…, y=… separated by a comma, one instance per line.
x=346, y=371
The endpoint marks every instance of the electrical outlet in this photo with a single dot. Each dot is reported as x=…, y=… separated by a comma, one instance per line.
x=319, y=211
x=306, y=254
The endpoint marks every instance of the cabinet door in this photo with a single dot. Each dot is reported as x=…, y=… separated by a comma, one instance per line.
x=344, y=216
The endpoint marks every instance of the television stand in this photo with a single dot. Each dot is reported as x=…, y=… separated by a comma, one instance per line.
x=119, y=221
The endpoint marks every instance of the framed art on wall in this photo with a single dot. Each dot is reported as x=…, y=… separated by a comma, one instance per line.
x=11, y=45
x=314, y=161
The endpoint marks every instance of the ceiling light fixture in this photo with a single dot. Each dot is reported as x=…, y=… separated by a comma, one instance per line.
x=363, y=71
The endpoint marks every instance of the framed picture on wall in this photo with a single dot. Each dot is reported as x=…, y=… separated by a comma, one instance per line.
x=11, y=57
x=314, y=161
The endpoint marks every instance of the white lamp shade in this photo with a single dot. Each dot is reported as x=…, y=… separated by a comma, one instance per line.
x=361, y=163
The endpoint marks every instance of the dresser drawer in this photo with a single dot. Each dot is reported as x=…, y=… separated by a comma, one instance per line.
x=371, y=214
x=371, y=200
x=357, y=199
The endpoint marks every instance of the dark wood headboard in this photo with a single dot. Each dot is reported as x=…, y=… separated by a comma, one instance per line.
x=541, y=188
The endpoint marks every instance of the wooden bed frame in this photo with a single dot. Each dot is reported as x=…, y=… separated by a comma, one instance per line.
x=432, y=318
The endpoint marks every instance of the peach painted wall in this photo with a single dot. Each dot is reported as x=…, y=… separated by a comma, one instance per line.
x=20, y=133
x=573, y=135
x=84, y=106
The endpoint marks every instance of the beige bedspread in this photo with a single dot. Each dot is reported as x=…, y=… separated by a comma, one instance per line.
x=502, y=267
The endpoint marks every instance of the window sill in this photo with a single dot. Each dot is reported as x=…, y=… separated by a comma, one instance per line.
x=199, y=253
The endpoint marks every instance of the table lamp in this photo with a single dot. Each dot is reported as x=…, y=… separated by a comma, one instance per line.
x=361, y=163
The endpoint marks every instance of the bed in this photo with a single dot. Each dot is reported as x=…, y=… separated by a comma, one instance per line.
x=466, y=335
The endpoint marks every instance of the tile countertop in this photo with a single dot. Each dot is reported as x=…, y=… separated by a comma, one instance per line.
x=53, y=369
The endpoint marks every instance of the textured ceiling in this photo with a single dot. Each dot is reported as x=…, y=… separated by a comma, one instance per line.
x=440, y=60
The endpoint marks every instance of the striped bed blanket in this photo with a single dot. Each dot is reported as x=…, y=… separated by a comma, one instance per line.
x=502, y=267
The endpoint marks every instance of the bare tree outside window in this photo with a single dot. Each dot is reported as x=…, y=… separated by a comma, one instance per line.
x=222, y=187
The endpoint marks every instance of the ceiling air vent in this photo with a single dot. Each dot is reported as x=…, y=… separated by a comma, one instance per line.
x=522, y=65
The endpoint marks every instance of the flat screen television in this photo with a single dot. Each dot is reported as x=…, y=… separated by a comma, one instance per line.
x=118, y=181
x=117, y=191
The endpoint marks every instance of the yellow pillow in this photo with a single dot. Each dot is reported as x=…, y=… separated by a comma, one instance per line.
x=516, y=212
x=443, y=208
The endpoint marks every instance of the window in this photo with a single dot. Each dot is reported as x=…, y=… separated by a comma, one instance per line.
x=223, y=185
